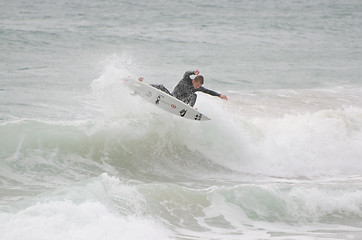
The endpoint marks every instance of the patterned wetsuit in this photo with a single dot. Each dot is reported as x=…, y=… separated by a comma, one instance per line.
x=185, y=91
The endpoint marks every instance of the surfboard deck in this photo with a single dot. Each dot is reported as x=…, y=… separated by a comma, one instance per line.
x=165, y=101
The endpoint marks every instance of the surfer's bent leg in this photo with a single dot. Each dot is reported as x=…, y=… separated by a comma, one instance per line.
x=192, y=99
x=161, y=87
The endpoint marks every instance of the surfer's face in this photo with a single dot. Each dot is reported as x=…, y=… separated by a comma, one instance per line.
x=196, y=84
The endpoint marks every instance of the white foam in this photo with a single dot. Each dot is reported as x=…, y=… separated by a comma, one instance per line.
x=322, y=143
x=82, y=211
x=68, y=220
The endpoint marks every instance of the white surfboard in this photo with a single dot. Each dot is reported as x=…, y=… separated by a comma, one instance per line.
x=165, y=101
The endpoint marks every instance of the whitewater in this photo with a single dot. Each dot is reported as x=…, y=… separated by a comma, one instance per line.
x=81, y=157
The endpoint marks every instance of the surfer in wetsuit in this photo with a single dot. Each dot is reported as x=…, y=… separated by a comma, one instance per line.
x=186, y=88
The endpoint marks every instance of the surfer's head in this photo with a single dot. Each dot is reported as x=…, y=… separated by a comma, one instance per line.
x=198, y=81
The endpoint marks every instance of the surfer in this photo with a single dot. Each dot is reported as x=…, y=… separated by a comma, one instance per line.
x=186, y=88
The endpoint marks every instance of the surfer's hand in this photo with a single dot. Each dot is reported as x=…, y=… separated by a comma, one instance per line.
x=140, y=79
x=223, y=97
x=196, y=72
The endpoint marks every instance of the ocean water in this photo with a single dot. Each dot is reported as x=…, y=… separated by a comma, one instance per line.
x=82, y=158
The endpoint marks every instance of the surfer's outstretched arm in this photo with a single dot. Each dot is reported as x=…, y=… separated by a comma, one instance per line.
x=212, y=93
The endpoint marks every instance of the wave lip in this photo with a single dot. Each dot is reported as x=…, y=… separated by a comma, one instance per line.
x=321, y=144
